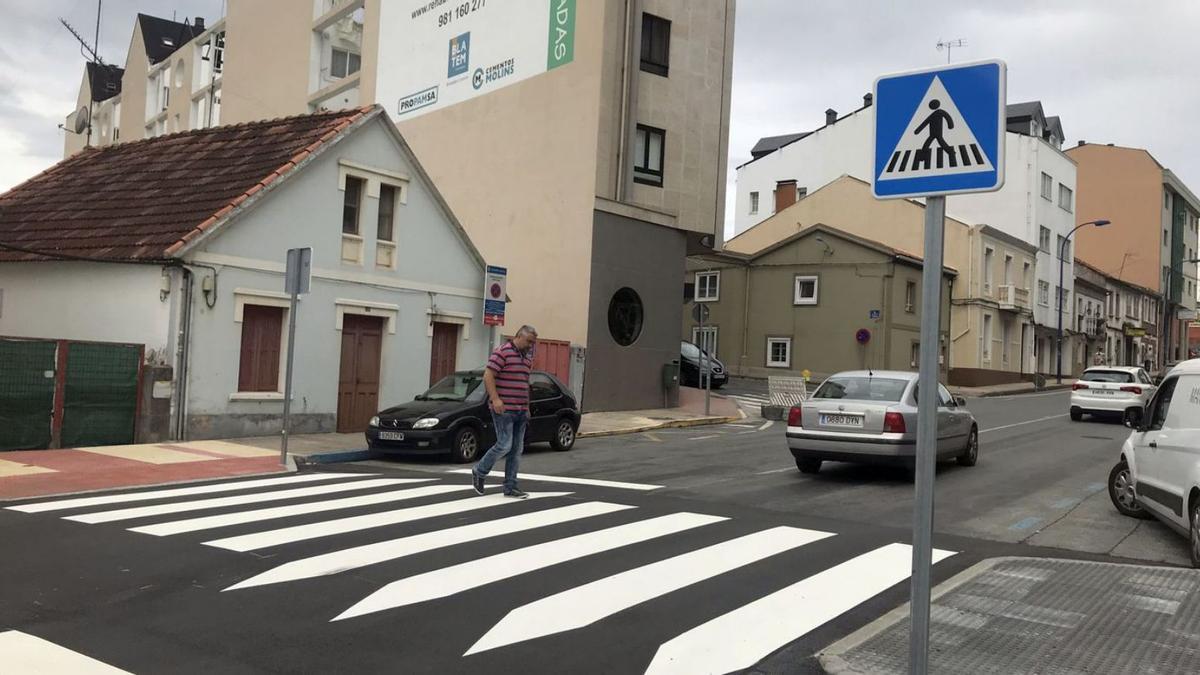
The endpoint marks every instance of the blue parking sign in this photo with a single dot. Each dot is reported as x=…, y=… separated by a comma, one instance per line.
x=940, y=131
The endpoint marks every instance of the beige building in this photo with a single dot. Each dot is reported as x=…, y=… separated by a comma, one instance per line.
x=590, y=177
x=807, y=302
x=990, y=316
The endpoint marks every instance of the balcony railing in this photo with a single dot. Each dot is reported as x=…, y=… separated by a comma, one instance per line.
x=1012, y=297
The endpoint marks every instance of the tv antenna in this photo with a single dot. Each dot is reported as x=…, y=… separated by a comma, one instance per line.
x=950, y=44
x=89, y=51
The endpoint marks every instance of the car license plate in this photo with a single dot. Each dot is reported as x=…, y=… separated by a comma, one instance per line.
x=841, y=420
x=391, y=435
x=1103, y=392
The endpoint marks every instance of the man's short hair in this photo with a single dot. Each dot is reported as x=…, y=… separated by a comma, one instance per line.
x=527, y=330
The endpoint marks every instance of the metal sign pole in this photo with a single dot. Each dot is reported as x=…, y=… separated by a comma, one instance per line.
x=705, y=357
x=287, y=386
x=927, y=405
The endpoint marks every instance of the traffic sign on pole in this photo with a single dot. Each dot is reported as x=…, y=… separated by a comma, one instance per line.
x=295, y=283
x=938, y=131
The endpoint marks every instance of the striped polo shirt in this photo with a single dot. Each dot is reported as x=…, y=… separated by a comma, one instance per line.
x=512, y=376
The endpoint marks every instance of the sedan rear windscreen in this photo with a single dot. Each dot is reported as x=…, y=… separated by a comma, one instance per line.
x=1115, y=376
x=862, y=388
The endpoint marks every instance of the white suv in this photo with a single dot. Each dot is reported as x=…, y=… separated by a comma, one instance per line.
x=1159, y=471
x=1110, y=390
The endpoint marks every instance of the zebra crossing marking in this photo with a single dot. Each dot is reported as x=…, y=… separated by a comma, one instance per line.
x=584, y=605
x=578, y=481
x=81, y=502
x=24, y=653
x=466, y=576
x=750, y=633
x=370, y=554
x=217, y=502
x=258, y=515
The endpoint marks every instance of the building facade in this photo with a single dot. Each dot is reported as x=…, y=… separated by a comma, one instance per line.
x=589, y=177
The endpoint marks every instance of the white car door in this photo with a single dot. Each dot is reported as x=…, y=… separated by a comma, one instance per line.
x=1155, y=488
x=1179, y=441
x=952, y=431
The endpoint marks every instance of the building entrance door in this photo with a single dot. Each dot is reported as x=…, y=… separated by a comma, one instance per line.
x=443, y=357
x=358, y=383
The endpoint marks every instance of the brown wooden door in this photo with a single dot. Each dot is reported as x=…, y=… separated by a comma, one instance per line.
x=358, y=384
x=444, y=355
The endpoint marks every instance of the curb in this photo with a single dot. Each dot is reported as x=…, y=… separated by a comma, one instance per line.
x=675, y=424
x=337, y=457
x=1022, y=392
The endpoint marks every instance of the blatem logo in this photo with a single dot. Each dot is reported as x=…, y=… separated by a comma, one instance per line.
x=460, y=55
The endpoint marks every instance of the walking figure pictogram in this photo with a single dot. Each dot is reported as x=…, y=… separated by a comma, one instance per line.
x=934, y=124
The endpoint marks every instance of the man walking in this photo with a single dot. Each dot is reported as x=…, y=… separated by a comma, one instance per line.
x=507, y=381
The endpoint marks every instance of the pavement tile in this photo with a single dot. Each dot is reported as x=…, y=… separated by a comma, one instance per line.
x=151, y=454
x=8, y=468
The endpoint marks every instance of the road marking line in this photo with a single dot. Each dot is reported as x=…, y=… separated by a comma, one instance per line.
x=766, y=425
x=739, y=426
x=24, y=653
x=786, y=468
x=577, y=481
x=585, y=605
x=258, y=515
x=703, y=438
x=41, y=507
x=1020, y=424
x=237, y=500
x=466, y=576
x=289, y=535
x=371, y=554
x=652, y=437
x=746, y=635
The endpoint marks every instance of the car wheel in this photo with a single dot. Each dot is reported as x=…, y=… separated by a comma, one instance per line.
x=564, y=436
x=466, y=445
x=1194, y=533
x=808, y=465
x=970, y=455
x=1120, y=491
x=1076, y=414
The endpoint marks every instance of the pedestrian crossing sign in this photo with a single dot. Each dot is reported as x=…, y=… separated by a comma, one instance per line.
x=940, y=131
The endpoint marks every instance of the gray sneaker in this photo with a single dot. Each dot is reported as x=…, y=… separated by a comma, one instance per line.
x=477, y=483
x=515, y=494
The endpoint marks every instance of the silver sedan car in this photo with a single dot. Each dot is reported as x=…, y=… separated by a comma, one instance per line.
x=865, y=416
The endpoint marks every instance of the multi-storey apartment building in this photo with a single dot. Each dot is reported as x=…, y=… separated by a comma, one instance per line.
x=582, y=145
x=1153, y=233
x=1036, y=204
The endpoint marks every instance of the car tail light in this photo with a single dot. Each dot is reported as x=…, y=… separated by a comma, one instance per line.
x=795, y=417
x=893, y=423
x=1078, y=385
x=1133, y=390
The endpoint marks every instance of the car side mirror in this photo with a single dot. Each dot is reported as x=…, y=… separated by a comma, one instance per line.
x=1134, y=417
x=1158, y=380
x=960, y=401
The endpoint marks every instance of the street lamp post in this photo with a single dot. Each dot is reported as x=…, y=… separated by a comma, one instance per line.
x=1062, y=254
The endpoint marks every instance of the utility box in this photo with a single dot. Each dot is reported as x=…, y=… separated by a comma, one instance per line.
x=670, y=383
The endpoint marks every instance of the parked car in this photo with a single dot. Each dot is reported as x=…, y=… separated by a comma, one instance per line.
x=871, y=417
x=1110, y=390
x=1158, y=472
x=695, y=361
x=453, y=417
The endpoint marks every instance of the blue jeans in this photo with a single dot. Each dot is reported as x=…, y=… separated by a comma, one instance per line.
x=510, y=441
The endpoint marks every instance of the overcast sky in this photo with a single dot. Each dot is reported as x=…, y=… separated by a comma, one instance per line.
x=1115, y=71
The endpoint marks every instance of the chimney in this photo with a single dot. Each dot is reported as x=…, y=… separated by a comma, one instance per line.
x=785, y=194
x=830, y=116
x=199, y=24
x=868, y=100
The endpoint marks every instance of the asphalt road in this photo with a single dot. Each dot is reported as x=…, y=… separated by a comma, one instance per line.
x=710, y=553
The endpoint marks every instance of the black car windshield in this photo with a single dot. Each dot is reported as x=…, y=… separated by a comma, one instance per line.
x=691, y=351
x=456, y=387
x=862, y=388
x=1116, y=376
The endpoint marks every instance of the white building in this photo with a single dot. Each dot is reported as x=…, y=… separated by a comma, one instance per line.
x=1036, y=204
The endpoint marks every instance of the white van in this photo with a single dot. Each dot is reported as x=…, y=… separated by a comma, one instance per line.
x=1159, y=470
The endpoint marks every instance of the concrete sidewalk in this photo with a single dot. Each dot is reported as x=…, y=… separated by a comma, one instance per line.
x=1012, y=389
x=1042, y=615
x=690, y=413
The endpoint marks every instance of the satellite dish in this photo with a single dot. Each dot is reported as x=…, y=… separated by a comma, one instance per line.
x=81, y=120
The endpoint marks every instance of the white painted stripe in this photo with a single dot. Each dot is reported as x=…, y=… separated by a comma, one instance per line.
x=766, y=425
x=577, y=481
x=703, y=438
x=584, y=605
x=288, y=535
x=1021, y=424
x=23, y=653
x=458, y=578
x=258, y=515
x=231, y=486
x=748, y=634
x=236, y=500
x=372, y=554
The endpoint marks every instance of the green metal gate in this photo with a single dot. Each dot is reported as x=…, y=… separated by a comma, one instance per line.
x=100, y=404
x=26, y=393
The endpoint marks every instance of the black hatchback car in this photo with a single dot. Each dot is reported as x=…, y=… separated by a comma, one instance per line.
x=453, y=417
x=695, y=361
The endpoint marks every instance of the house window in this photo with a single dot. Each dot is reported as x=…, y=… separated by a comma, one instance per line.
x=910, y=296
x=708, y=286
x=706, y=339
x=1043, y=293
x=1047, y=186
x=625, y=316
x=779, y=352
x=262, y=332
x=648, y=156
x=1025, y=276
x=1044, y=239
x=343, y=63
x=1064, y=249
x=801, y=193
x=1164, y=237
x=1008, y=261
x=914, y=356
x=988, y=254
x=753, y=203
x=1005, y=336
x=805, y=291
x=352, y=204
x=387, y=213
x=1064, y=197
x=987, y=337
x=656, y=44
